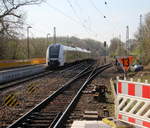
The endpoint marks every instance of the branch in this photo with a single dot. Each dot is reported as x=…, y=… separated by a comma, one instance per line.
x=4, y=2
x=16, y=6
x=13, y=14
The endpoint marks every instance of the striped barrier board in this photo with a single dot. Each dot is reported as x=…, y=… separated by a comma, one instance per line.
x=31, y=89
x=134, y=89
x=133, y=103
x=11, y=100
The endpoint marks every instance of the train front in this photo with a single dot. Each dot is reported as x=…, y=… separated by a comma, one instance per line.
x=52, y=55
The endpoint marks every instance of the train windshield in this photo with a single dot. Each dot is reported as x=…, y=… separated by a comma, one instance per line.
x=54, y=51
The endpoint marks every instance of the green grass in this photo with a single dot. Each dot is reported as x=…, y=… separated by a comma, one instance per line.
x=146, y=77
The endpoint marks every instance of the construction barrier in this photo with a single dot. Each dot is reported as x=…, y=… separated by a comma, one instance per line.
x=18, y=63
x=133, y=102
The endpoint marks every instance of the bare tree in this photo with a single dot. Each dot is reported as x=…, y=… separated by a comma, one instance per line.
x=143, y=38
x=116, y=47
x=11, y=23
x=11, y=17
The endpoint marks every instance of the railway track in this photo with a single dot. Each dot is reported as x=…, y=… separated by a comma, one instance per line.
x=42, y=88
x=95, y=103
x=42, y=74
x=63, y=119
x=52, y=111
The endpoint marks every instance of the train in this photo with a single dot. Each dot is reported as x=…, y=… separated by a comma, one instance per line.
x=58, y=55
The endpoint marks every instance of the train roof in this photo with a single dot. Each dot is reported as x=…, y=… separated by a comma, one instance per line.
x=69, y=48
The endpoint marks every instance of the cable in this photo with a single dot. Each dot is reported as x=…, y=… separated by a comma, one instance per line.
x=70, y=4
x=88, y=20
x=89, y=29
x=75, y=13
x=78, y=5
x=60, y=11
x=106, y=18
x=93, y=4
x=74, y=20
x=116, y=27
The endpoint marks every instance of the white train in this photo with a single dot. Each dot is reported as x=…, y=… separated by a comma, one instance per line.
x=59, y=55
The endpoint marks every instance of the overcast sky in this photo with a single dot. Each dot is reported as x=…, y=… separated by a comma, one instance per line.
x=85, y=18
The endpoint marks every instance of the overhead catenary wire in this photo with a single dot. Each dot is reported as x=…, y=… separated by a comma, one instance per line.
x=88, y=20
x=89, y=29
x=61, y=12
x=93, y=4
x=105, y=17
x=109, y=18
x=70, y=4
x=78, y=5
x=82, y=21
x=78, y=20
x=69, y=17
x=75, y=13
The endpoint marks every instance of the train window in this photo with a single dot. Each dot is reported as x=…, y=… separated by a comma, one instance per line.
x=54, y=51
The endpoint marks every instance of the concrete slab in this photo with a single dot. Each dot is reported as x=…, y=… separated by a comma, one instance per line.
x=90, y=117
x=91, y=112
x=13, y=74
x=89, y=124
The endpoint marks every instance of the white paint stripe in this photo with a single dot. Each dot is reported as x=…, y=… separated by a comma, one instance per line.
x=138, y=90
x=143, y=108
x=124, y=87
x=147, y=114
x=126, y=105
x=122, y=103
x=139, y=122
x=129, y=104
x=134, y=107
x=124, y=118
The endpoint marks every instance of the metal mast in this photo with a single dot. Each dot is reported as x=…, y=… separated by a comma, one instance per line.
x=127, y=40
x=55, y=35
x=140, y=38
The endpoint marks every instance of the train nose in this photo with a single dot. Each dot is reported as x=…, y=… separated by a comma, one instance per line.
x=53, y=63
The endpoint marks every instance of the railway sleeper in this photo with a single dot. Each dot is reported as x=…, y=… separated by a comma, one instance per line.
x=68, y=125
x=54, y=109
x=38, y=125
x=40, y=118
x=46, y=121
x=75, y=117
x=43, y=113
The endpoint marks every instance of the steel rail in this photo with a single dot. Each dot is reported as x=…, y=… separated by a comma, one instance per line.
x=76, y=98
x=48, y=99
x=44, y=73
x=70, y=68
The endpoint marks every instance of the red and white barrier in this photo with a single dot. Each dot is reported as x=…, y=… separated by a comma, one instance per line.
x=133, y=103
